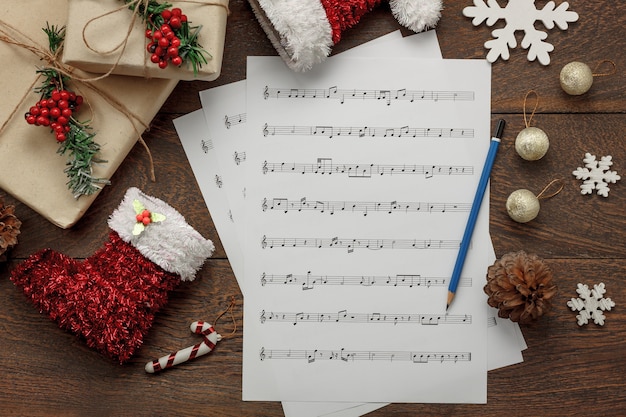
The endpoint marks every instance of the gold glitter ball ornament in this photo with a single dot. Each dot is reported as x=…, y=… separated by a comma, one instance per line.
x=576, y=78
x=532, y=143
x=522, y=206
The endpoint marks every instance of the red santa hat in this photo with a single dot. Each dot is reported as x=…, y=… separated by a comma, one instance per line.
x=304, y=31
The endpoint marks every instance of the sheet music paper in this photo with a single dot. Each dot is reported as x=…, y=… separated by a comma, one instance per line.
x=227, y=103
x=336, y=277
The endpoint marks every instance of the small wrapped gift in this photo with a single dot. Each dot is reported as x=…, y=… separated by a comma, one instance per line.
x=106, y=36
x=118, y=109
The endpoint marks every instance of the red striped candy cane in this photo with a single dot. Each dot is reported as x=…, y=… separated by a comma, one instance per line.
x=209, y=339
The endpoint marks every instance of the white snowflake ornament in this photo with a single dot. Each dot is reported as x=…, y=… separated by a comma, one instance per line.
x=520, y=15
x=596, y=175
x=591, y=304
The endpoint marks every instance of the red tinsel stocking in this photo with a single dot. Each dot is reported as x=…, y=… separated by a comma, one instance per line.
x=110, y=299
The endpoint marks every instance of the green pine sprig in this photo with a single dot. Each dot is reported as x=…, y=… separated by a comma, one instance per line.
x=79, y=144
x=82, y=152
x=189, y=50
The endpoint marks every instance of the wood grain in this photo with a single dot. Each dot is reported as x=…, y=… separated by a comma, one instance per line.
x=567, y=369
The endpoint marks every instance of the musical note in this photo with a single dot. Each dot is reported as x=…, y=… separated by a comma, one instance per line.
x=397, y=280
x=313, y=355
x=234, y=120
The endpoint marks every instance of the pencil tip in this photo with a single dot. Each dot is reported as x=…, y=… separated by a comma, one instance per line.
x=449, y=300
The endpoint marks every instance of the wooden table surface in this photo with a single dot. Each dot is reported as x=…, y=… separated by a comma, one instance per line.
x=567, y=369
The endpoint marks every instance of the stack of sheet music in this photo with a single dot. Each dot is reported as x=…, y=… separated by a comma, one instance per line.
x=341, y=196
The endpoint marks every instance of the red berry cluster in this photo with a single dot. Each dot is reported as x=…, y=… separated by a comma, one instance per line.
x=144, y=217
x=165, y=43
x=55, y=112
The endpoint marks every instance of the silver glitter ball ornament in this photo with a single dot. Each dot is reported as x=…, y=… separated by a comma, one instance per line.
x=522, y=206
x=576, y=78
x=532, y=143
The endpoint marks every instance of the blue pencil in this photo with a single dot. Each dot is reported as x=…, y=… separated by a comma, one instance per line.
x=471, y=222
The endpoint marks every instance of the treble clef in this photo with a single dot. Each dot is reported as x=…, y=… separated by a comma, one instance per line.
x=265, y=130
x=237, y=158
x=262, y=354
x=262, y=316
x=266, y=93
x=227, y=121
x=264, y=204
x=263, y=280
x=264, y=169
x=263, y=242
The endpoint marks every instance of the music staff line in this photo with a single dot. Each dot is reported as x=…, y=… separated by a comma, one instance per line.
x=236, y=119
x=326, y=166
x=309, y=281
x=372, y=132
x=357, y=243
x=387, y=96
x=239, y=157
x=389, y=207
x=344, y=317
x=206, y=145
x=345, y=355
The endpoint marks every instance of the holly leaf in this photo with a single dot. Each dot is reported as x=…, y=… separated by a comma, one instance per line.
x=157, y=217
x=138, y=207
x=139, y=227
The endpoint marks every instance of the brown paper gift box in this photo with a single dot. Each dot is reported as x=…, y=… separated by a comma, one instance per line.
x=110, y=27
x=30, y=168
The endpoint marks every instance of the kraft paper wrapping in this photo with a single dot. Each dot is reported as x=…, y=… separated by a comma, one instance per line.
x=30, y=168
x=111, y=26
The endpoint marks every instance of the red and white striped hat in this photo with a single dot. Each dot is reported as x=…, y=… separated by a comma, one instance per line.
x=304, y=31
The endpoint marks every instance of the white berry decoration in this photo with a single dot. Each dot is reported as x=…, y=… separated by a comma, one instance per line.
x=596, y=175
x=520, y=15
x=591, y=304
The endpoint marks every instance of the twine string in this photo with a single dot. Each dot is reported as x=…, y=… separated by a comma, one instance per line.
x=122, y=43
x=541, y=196
x=228, y=309
x=527, y=122
x=611, y=71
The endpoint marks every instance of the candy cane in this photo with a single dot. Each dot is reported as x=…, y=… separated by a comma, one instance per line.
x=209, y=340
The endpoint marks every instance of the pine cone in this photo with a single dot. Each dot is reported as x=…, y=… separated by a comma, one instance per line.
x=520, y=286
x=9, y=228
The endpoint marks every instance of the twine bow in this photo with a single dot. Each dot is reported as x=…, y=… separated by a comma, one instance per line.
x=11, y=35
